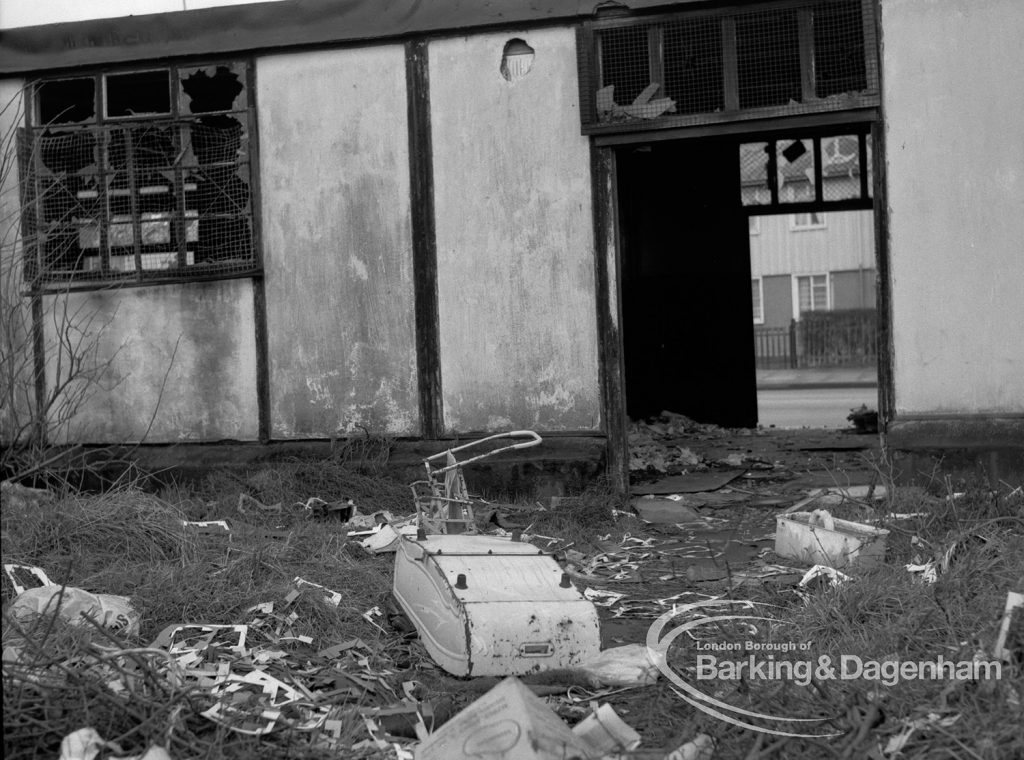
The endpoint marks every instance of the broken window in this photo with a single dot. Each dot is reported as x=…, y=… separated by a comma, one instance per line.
x=139, y=176
x=829, y=171
x=706, y=66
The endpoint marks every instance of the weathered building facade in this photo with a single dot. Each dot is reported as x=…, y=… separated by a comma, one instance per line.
x=304, y=219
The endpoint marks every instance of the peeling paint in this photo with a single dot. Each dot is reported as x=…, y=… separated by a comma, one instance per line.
x=337, y=231
x=516, y=279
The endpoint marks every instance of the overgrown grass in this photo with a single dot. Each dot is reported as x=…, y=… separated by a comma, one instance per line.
x=131, y=543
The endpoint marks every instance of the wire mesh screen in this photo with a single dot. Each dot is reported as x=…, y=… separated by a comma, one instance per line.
x=841, y=168
x=693, y=65
x=795, y=57
x=139, y=199
x=768, y=59
x=806, y=170
x=840, y=60
x=754, y=166
x=625, y=73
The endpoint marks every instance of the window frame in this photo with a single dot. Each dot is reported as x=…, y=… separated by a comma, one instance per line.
x=797, y=312
x=123, y=241
x=591, y=78
x=759, y=311
x=796, y=226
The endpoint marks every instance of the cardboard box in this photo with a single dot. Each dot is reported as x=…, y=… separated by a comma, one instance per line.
x=509, y=722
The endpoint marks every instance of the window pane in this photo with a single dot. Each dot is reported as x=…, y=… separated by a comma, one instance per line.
x=820, y=293
x=66, y=101
x=754, y=174
x=840, y=167
x=804, y=294
x=768, y=59
x=142, y=93
x=755, y=299
x=795, y=166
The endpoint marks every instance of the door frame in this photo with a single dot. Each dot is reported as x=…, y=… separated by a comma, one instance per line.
x=608, y=252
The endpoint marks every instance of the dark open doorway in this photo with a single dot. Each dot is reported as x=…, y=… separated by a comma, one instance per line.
x=687, y=314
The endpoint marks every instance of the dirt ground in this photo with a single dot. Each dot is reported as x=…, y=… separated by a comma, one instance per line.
x=710, y=497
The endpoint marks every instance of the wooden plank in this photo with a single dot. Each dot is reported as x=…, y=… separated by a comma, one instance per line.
x=805, y=30
x=886, y=350
x=39, y=367
x=424, y=238
x=730, y=65
x=609, y=315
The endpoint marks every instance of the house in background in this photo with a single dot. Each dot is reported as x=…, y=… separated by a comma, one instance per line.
x=304, y=219
x=811, y=261
x=818, y=264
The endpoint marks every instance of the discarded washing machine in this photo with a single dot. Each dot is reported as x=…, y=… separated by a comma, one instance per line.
x=486, y=605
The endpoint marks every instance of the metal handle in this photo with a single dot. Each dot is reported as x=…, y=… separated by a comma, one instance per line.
x=534, y=440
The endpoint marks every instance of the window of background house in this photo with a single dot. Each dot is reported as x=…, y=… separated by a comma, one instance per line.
x=810, y=220
x=754, y=225
x=757, y=299
x=812, y=293
x=139, y=176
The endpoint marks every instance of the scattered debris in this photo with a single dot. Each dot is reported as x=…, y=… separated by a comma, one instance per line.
x=694, y=482
x=604, y=733
x=509, y=722
x=627, y=665
x=1010, y=644
x=865, y=420
x=112, y=612
x=701, y=747
x=818, y=538
x=24, y=577
x=822, y=573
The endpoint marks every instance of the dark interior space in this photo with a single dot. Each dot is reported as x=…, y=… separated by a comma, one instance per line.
x=687, y=315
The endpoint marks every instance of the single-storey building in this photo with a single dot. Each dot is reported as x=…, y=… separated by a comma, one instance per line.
x=311, y=219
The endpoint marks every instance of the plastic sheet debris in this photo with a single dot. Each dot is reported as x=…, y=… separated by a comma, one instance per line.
x=898, y=741
x=701, y=747
x=603, y=733
x=664, y=511
x=86, y=744
x=332, y=598
x=247, y=505
x=112, y=612
x=929, y=572
x=384, y=540
x=316, y=508
x=823, y=574
x=24, y=577
x=1010, y=643
x=603, y=597
x=508, y=722
x=207, y=527
x=627, y=665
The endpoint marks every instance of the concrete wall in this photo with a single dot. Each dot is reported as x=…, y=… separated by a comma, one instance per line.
x=954, y=106
x=337, y=242
x=514, y=237
x=181, y=355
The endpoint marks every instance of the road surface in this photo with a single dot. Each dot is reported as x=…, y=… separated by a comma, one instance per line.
x=812, y=407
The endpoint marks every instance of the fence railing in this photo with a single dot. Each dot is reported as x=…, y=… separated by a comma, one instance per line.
x=819, y=339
